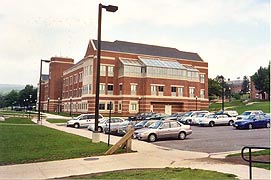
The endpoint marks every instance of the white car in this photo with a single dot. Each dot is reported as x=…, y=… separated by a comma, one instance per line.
x=84, y=120
x=187, y=117
x=200, y=117
x=246, y=114
x=217, y=119
x=105, y=123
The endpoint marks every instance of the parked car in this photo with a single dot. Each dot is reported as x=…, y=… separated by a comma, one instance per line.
x=253, y=121
x=140, y=116
x=176, y=116
x=83, y=120
x=163, y=129
x=217, y=119
x=187, y=117
x=232, y=113
x=200, y=117
x=115, y=129
x=248, y=113
x=105, y=122
x=157, y=116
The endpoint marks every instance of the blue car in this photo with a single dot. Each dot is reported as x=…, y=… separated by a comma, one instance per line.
x=253, y=121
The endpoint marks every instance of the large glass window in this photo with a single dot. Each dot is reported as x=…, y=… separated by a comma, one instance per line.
x=180, y=91
x=101, y=106
x=110, y=89
x=202, y=79
x=110, y=71
x=153, y=90
x=173, y=91
x=160, y=90
x=133, y=89
x=102, y=88
x=202, y=93
x=102, y=70
x=191, y=92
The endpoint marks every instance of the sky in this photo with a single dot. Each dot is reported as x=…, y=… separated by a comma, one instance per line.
x=233, y=36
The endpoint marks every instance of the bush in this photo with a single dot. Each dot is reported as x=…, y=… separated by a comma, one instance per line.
x=236, y=96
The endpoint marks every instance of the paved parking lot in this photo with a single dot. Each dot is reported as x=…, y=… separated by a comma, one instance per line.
x=219, y=139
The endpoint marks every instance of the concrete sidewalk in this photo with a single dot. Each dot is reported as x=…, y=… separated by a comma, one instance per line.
x=147, y=156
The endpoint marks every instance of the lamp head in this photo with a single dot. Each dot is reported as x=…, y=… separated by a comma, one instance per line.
x=111, y=8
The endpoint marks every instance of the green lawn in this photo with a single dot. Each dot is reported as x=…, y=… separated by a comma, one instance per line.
x=57, y=120
x=17, y=120
x=264, y=106
x=166, y=173
x=34, y=143
x=240, y=107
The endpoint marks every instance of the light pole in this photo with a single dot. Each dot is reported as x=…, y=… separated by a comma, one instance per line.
x=70, y=106
x=109, y=8
x=58, y=105
x=196, y=103
x=229, y=94
x=222, y=92
x=48, y=99
x=46, y=61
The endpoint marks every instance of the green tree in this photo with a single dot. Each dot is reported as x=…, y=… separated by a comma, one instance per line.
x=214, y=88
x=11, y=98
x=27, y=96
x=245, y=85
x=261, y=80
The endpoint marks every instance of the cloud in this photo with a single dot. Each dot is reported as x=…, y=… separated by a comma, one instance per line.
x=32, y=30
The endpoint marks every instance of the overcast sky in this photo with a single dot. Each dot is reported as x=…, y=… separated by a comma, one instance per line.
x=231, y=35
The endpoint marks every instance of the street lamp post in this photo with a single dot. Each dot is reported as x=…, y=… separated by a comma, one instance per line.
x=222, y=92
x=48, y=99
x=58, y=105
x=110, y=8
x=196, y=103
x=46, y=61
x=70, y=106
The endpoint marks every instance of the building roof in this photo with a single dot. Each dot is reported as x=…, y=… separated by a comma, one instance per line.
x=137, y=48
x=159, y=63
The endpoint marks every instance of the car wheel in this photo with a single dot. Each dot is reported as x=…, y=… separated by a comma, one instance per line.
x=152, y=137
x=182, y=135
x=100, y=129
x=211, y=124
x=76, y=125
x=250, y=126
x=268, y=125
x=231, y=122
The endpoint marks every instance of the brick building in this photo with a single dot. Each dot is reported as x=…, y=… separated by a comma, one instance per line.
x=134, y=77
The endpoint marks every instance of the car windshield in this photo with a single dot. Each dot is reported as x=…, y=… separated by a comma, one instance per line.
x=156, y=125
x=246, y=113
x=141, y=123
x=251, y=117
x=77, y=117
x=187, y=114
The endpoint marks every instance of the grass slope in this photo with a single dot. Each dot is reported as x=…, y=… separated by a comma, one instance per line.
x=30, y=143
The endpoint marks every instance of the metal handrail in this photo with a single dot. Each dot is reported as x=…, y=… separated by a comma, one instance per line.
x=250, y=157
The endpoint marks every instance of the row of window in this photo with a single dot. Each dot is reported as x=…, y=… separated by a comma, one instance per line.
x=75, y=106
x=169, y=73
x=72, y=79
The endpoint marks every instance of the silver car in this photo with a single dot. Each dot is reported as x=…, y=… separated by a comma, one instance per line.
x=163, y=129
x=115, y=121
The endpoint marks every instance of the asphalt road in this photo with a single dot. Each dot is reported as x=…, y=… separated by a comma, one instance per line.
x=219, y=139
